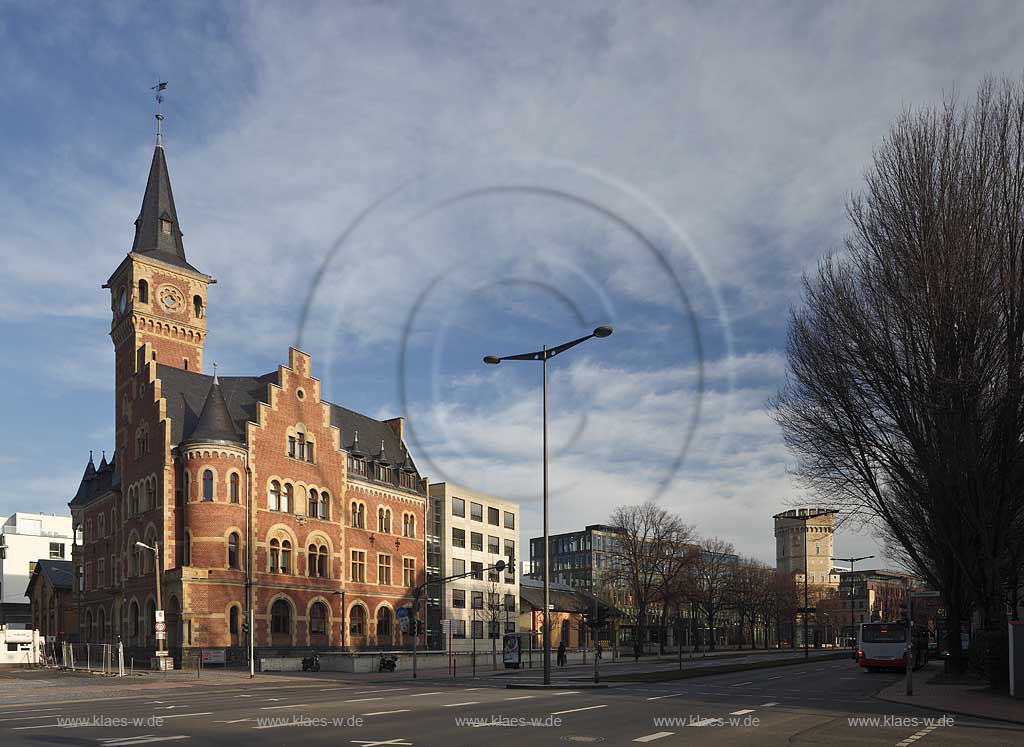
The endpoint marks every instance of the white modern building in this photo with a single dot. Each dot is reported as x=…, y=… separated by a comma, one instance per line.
x=24, y=539
x=469, y=531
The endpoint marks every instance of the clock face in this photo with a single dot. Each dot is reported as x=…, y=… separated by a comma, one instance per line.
x=122, y=302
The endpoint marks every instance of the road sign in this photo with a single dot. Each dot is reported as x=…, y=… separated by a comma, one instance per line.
x=159, y=616
x=162, y=653
x=161, y=635
x=160, y=627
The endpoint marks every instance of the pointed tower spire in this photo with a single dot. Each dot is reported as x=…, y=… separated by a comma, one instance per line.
x=90, y=468
x=214, y=423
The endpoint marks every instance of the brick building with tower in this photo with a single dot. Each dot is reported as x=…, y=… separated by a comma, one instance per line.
x=259, y=493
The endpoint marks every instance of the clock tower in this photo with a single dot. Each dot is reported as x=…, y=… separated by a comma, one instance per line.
x=157, y=299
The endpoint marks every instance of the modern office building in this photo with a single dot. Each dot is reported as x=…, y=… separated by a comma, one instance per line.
x=26, y=538
x=578, y=559
x=469, y=531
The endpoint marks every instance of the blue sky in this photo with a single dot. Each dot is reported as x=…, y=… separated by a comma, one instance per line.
x=465, y=179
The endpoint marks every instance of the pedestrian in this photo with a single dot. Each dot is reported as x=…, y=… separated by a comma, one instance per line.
x=599, y=650
x=561, y=653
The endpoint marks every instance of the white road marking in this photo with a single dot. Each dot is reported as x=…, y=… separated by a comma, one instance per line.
x=245, y=696
x=656, y=735
x=384, y=713
x=322, y=689
x=776, y=677
x=274, y=700
x=742, y=712
x=180, y=715
x=521, y=697
x=568, y=692
x=468, y=689
x=662, y=697
x=576, y=710
x=31, y=710
x=456, y=705
x=706, y=722
x=29, y=718
x=389, y=690
x=289, y=705
x=233, y=721
x=768, y=705
x=147, y=740
x=420, y=695
x=361, y=700
x=741, y=684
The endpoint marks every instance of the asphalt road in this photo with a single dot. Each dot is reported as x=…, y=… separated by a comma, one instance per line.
x=825, y=702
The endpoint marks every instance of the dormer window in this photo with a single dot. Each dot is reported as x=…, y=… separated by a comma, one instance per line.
x=165, y=226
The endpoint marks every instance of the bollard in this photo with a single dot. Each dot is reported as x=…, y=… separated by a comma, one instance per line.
x=88, y=657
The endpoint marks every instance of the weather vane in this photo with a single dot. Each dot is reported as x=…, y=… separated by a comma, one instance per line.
x=159, y=88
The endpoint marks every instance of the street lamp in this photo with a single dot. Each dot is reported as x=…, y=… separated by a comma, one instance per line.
x=543, y=355
x=158, y=567
x=851, y=561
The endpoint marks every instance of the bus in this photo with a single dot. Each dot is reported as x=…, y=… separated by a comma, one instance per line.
x=883, y=645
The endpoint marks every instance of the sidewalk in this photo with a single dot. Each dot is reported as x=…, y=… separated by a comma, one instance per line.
x=961, y=699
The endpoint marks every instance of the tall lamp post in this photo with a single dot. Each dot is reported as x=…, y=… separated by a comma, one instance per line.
x=851, y=561
x=158, y=568
x=543, y=355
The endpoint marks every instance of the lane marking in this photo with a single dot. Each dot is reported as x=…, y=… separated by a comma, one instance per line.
x=420, y=695
x=741, y=684
x=289, y=705
x=29, y=718
x=361, y=700
x=384, y=713
x=389, y=690
x=456, y=705
x=742, y=712
x=568, y=692
x=30, y=710
x=656, y=735
x=776, y=677
x=233, y=721
x=521, y=697
x=182, y=715
x=662, y=697
x=706, y=722
x=322, y=689
x=577, y=710
x=147, y=740
x=768, y=705
x=468, y=689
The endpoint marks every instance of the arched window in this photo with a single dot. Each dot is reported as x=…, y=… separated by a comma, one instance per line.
x=233, y=487
x=408, y=525
x=357, y=620
x=384, y=520
x=322, y=504
x=208, y=485
x=311, y=553
x=133, y=501
x=233, y=624
x=102, y=626
x=233, y=550
x=143, y=291
x=358, y=515
x=133, y=623
x=313, y=496
x=274, y=500
x=318, y=619
x=88, y=626
x=197, y=307
x=187, y=551
x=286, y=556
x=275, y=556
x=151, y=494
x=280, y=617
x=384, y=622
x=286, y=501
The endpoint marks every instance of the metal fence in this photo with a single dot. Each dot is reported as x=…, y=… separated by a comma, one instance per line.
x=101, y=658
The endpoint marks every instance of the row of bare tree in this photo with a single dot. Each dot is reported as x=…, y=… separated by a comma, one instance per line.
x=904, y=403
x=668, y=574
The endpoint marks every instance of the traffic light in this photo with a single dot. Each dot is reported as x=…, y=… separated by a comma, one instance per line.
x=245, y=627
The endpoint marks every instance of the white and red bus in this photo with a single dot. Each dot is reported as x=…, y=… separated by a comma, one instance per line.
x=883, y=645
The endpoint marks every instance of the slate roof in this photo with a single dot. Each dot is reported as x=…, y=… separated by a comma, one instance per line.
x=57, y=572
x=186, y=393
x=96, y=482
x=214, y=423
x=563, y=598
x=157, y=205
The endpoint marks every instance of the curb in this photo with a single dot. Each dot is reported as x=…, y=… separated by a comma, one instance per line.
x=565, y=686
x=667, y=676
x=950, y=711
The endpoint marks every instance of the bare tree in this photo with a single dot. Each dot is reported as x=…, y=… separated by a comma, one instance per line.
x=905, y=401
x=648, y=539
x=749, y=586
x=714, y=565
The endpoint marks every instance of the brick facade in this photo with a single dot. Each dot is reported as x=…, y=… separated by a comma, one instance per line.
x=216, y=507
